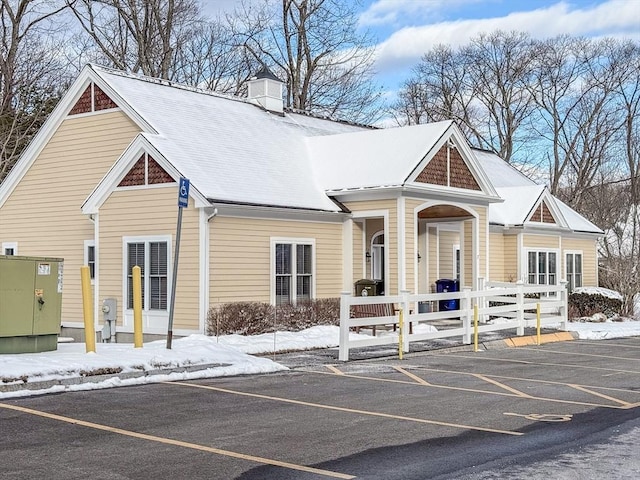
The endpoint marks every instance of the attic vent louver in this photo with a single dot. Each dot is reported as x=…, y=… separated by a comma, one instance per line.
x=265, y=89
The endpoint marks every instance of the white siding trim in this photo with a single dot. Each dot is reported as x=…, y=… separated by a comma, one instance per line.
x=9, y=245
x=203, y=253
x=347, y=254
x=402, y=261
x=272, y=261
x=154, y=321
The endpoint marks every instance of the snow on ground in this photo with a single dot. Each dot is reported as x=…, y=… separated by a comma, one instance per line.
x=222, y=356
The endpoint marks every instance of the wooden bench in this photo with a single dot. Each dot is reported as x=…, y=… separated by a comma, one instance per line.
x=376, y=310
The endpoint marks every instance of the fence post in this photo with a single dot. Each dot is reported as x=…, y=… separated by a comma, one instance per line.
x=481, y=301
x=407, y=319
x=520, y=307
x=345, y=308
x=466, y=316
x=564, y=309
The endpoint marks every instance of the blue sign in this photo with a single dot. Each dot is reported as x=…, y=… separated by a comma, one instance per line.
x=183, y=193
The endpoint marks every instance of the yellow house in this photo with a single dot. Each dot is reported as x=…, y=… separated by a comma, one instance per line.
x=284, y=206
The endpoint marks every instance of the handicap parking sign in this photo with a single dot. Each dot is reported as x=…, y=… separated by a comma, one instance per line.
x=183, y=193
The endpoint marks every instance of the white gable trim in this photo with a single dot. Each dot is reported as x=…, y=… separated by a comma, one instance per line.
x=51, y=125
x=454, y=134
x=545, y=196
x=139, y=146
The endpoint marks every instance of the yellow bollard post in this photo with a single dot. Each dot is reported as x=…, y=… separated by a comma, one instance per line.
x=400, y=335
x=475, y=328
x=137, y=307
x=87, y=309
x=538, y=322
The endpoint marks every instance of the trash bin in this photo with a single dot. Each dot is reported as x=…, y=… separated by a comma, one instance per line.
x=367, y=287
x=424, y=307
x=447, y=285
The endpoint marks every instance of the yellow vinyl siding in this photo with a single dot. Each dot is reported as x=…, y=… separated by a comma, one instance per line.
x=589, y=259
x=510, y=259
x=433, y=257
x=497, y=254
x=359, y=260
x=155, y=214
x=43, y=212
x=447, y=241
x=541, y=241
x=466, y=252
x=482, y=241
x=240, y=257
x=391, y=237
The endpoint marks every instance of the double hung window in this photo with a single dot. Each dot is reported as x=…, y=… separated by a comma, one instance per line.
x=152, y=258
x=574, y=270
x=293, y=271
x=542, y=267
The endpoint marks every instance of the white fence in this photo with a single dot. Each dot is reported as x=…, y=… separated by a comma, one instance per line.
x=514, y=304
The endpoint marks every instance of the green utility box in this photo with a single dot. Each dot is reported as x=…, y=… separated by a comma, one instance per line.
x=30, y=303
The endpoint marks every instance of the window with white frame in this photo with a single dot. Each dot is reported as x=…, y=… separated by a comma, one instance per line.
x=574, y=270
x=151, y=255
x=90, y=257
x=293, y=270
x=542, y=267
x=9, y=248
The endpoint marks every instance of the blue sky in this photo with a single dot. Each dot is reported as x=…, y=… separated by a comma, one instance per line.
x=405, y=29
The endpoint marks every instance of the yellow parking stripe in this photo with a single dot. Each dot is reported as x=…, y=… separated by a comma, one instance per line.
x=586, y=354
x=477, y=357
x=476, y=390
x=178, y=443
x=598, y=394
x=344, y=409
x=335, y=369
x=419, y=380
x=501, y=385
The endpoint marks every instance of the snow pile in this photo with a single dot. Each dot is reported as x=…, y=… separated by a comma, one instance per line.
x=605, y=292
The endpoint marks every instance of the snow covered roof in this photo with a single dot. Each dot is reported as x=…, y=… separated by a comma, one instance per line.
x=372, y=158
x=521, y=195
x=231, y=149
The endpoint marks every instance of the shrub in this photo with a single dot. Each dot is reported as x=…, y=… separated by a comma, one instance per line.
x=251, y=318
x=586, y=305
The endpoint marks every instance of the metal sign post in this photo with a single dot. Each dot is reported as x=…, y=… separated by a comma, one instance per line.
x=183, y=201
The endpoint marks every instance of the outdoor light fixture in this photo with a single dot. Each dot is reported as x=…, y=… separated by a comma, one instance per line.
x=368, y=255
x=419, y=257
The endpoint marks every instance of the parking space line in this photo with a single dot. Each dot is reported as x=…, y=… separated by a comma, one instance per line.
x=476, y=390
x=501, y=385
x=345, y=409
x=177, y=443
x=584, y=354
x=335, y=370
x=607, y=344
x=526, y=362
x=419, y=380
x=598, y=394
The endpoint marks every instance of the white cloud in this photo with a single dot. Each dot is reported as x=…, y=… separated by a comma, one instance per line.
x=616, y=18
x=391, y=12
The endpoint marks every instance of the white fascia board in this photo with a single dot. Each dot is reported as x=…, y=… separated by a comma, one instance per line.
x=45, y=133
x=486, y=187
x=425, y=191
x=55, y=119
x=545, y=195
x=264, y=212
x=106, y=87
x=139, y=146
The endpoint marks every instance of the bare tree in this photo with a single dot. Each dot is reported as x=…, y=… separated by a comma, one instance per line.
x=31, y=78
x=138, y=35
x=314, y=47
x=210, y=59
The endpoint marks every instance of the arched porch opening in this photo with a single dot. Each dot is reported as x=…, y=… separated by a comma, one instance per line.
x=447, y=245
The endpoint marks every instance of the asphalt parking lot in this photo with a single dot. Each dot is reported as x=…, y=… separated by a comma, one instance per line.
x=431, y=415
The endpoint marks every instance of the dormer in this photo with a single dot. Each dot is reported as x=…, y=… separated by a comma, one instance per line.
x=265, y=89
